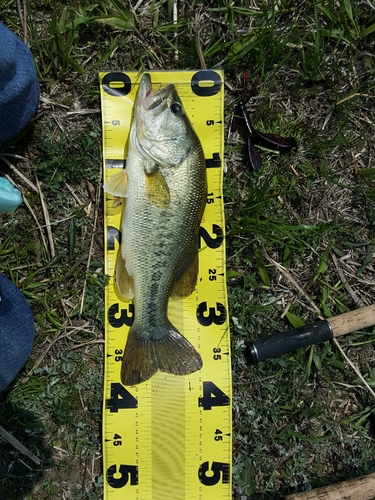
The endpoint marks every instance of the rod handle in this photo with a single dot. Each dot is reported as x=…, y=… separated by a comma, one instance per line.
x=359, y=488
x=319, y=331
x=353, y=320
x=283, y=342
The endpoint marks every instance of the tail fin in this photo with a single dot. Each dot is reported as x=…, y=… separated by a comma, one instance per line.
x=170, y=353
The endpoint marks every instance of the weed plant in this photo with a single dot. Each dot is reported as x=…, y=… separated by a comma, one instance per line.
x=300, y=232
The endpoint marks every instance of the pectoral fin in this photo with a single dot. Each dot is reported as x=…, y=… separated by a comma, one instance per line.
x=157, y=190
x=117, y=184
x=187, y=282
x=123, y=280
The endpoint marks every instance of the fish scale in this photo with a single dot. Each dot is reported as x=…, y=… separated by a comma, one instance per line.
x=170, y=437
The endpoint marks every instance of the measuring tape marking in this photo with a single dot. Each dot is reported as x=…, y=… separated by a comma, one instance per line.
x=203, y=396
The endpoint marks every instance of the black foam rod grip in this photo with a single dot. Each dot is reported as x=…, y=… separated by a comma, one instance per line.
x=283, y=342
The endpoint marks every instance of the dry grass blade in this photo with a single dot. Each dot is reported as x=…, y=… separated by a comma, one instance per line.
x=47, y=219
x=85, y=344
x=36, y=221
x=22, y=12
x=46, y=350
x=19, y=446
x=354, y=368
x=74, y=194
x=198, y=23
x=290, y=278
x=20, y=174
x=80, y=112
x=358, y=302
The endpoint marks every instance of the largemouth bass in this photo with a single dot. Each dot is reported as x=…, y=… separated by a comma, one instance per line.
x=164, y=189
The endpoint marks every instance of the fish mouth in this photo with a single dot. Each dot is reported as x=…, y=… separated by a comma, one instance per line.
x=152, y=100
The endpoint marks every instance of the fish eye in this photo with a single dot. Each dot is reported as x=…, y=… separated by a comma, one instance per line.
x=176, y=108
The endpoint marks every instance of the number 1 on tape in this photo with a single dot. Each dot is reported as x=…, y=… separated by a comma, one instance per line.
x=170, y=437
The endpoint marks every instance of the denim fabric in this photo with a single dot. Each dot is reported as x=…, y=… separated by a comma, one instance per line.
x=19, y=86
x=16, y=331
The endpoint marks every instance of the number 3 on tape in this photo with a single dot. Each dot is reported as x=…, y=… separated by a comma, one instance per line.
x=170, y=437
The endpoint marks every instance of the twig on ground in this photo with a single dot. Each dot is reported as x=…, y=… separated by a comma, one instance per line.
x=58, y=122
x=50, y=102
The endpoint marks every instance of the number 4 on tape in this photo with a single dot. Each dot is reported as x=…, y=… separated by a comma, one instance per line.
x=120, y=398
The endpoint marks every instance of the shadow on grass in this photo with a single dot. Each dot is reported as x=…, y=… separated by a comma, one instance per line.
x=18, y=473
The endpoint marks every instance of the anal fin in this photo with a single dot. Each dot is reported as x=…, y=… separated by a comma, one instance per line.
x=123, y=280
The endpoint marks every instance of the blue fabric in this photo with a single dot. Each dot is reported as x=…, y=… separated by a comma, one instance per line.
x=19, y=86
x=16, y=331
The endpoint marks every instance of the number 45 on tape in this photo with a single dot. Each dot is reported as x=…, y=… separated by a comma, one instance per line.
x=170, y=437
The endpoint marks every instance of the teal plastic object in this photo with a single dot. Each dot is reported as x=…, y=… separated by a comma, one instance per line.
x=10, y=197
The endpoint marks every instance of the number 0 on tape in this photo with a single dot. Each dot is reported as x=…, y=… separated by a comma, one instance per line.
x=170, y=437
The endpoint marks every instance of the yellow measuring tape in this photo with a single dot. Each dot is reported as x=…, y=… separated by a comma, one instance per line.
x=170, y=437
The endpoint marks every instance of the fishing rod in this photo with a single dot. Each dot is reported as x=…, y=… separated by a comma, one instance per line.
x=362, y=488
x=282, y=342
x=359, y=488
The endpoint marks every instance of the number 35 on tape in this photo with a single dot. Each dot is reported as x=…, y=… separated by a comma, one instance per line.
x=170, y=437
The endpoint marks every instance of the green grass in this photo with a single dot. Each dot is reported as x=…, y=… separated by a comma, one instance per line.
x=299, y=421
